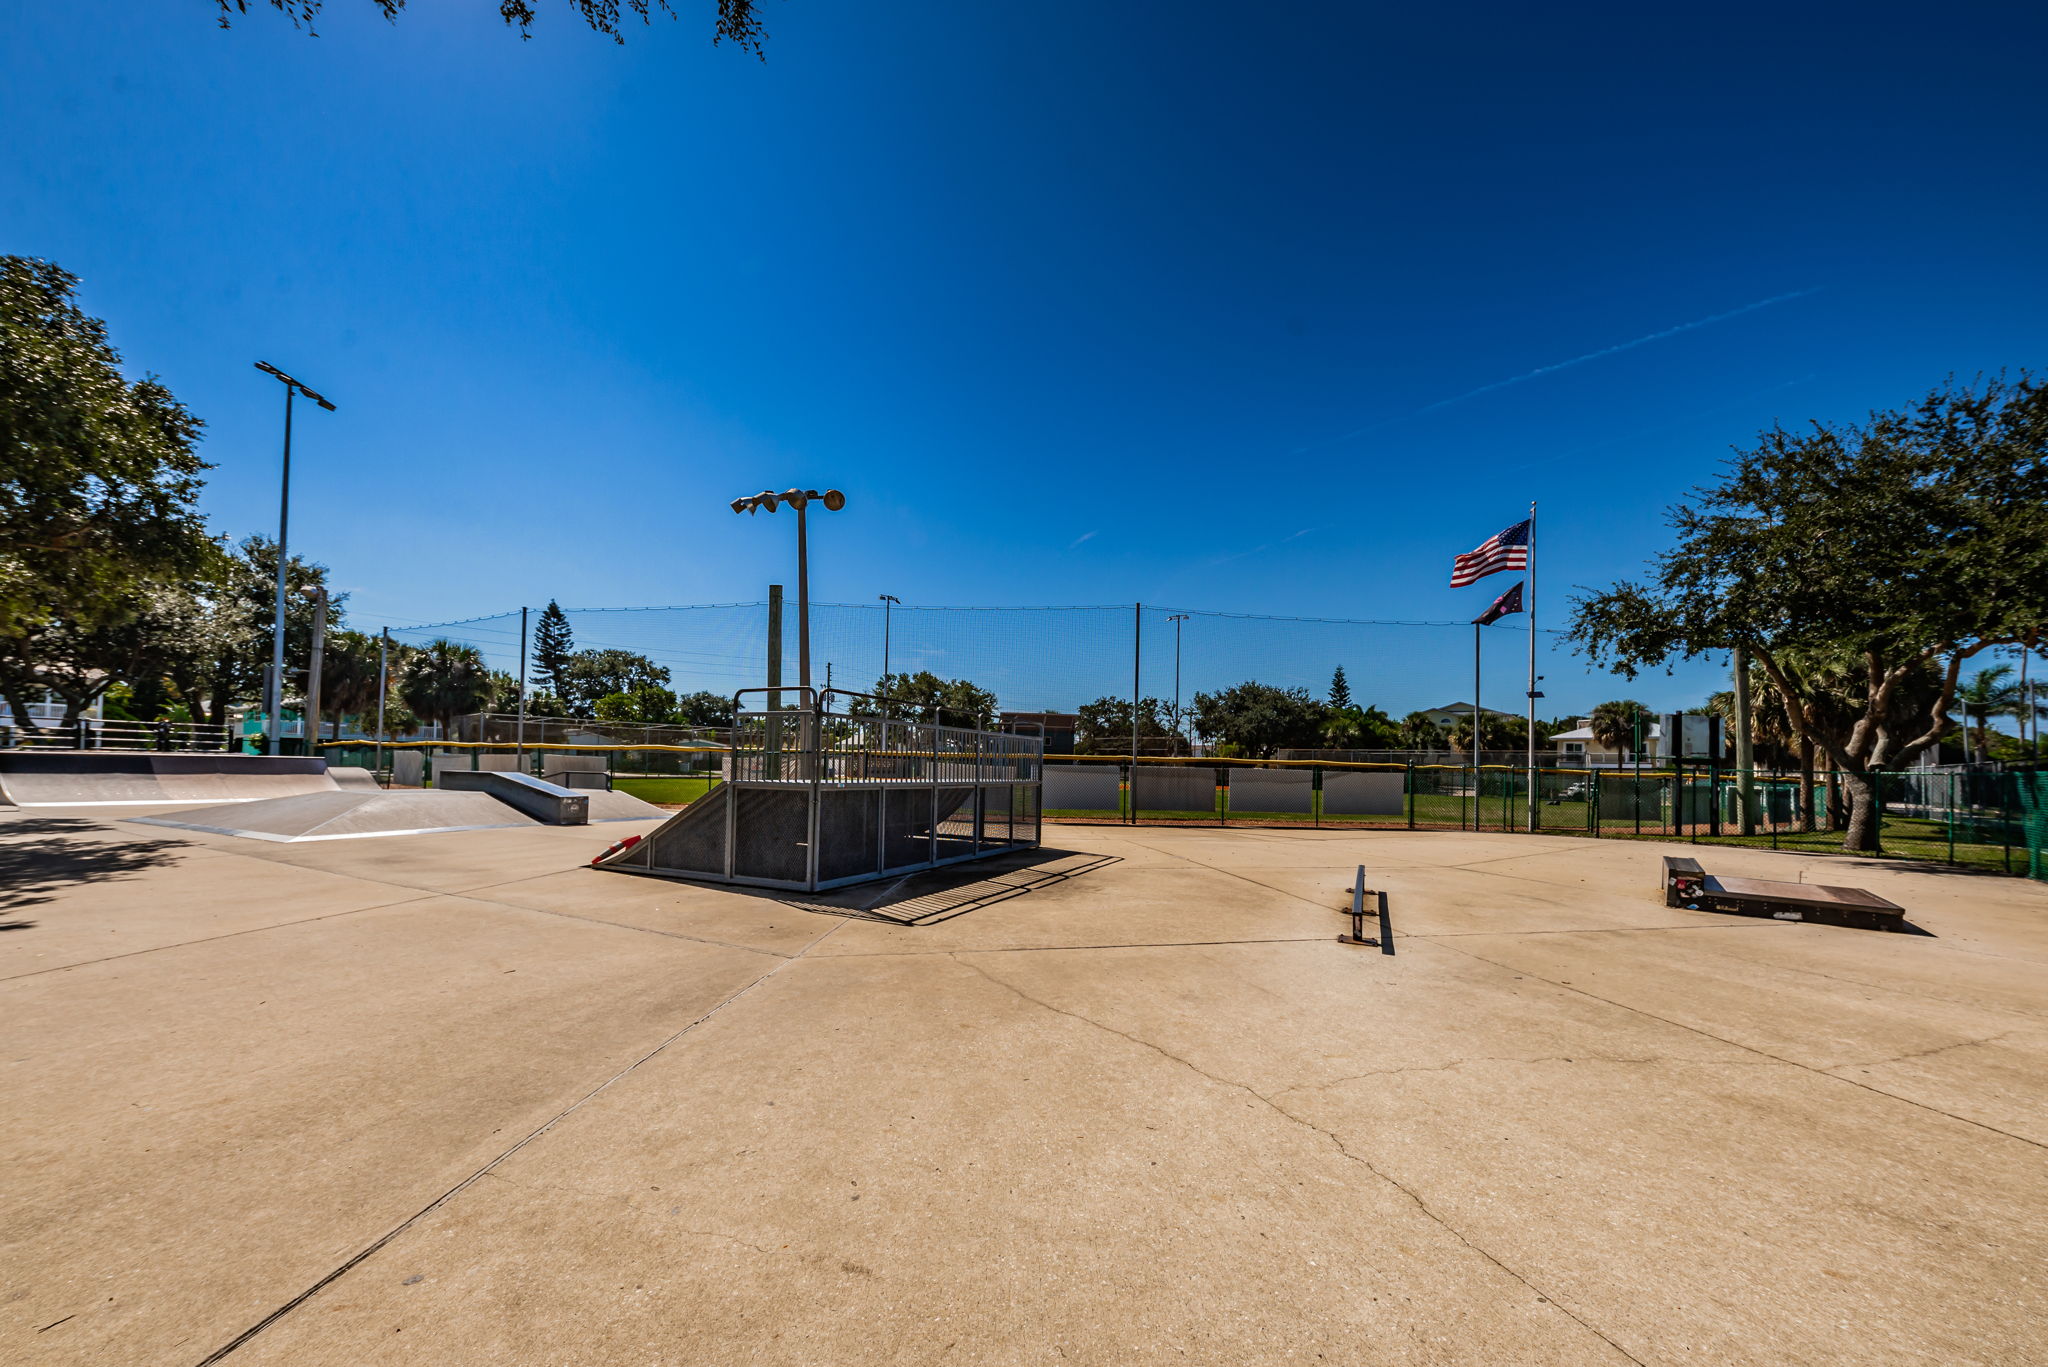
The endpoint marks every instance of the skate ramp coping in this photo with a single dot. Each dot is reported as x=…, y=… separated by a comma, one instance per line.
x=120, y=778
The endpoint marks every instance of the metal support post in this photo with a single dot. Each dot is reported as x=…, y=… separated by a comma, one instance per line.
x=311, y=742
x=383, y=689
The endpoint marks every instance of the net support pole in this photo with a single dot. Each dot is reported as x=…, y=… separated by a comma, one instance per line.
x=383, y=689
x=1745, y=754
x=519, y=731
x=1532, y=665
x=310, y=743
x=1137, y=684
x=1475, y=726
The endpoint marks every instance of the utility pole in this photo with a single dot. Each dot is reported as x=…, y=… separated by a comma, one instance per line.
x=311, y=743
x=383, y=689
x=1137, y=689
x=1177, y=619
x=519, y=733
x=1745, y=752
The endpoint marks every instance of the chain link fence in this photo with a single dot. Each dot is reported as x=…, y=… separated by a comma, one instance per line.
x=1047, y=660
x=1994, y=821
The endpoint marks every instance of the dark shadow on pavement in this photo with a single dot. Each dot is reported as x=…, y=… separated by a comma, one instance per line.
x=927, y=898
x=39, y=855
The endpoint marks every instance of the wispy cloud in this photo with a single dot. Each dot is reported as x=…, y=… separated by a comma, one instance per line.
x=1085, y=536
x=1618, y=347
x=1262, y=549
x=1556, y=366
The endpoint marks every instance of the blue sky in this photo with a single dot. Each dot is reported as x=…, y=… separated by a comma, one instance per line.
x=1209, y=306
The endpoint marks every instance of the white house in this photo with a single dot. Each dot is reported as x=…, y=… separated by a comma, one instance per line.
x=1450, y=714
x=1578, y=746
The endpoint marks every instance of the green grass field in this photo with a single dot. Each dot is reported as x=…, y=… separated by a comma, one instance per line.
x=1900, y=837
x=669, y=792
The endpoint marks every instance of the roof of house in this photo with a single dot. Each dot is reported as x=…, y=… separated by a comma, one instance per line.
x=1467, y=707
x=1586, y=733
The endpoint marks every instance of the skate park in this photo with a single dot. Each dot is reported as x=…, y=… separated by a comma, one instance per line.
x=704, y=683
x=460, y=1097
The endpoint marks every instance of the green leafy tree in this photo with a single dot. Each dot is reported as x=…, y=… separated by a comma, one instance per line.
x=1360, y=728
x=444, y=680
x=1259, y=718
x=1495, y=733
x=704, y=709
x=649, y=704
x=238, y=605
x=737, y=21
x=592, y=674
x=1104, y=726
x=98, y=482
x=1915, y=540
x=553, y=644
x=927, y=697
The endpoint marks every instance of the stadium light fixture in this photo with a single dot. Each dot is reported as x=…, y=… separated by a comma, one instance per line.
x=275, y=711
x=799, y=499
x=888, y=601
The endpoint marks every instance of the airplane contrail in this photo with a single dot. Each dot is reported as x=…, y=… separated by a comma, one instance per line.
x=1560, y=365
x=1619, y=346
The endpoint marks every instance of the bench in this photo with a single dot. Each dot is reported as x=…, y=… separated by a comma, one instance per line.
x=1687, y=885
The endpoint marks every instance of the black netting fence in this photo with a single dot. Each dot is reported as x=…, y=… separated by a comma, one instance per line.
x=1052, y=663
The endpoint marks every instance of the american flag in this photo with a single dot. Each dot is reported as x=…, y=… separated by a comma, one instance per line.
x=1508, y=602
x=1508, y=550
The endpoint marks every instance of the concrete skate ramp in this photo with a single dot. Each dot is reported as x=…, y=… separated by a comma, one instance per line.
x=543, y=801
x=347, y=816
x=117, y=778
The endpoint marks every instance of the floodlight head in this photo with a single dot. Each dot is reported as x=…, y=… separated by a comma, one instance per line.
x=268, y=369
x=316, y=398
x=834, y=500
x=795, y=498
x=740, y=505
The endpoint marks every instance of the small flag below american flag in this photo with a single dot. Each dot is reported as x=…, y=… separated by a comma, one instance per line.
x=1508, y=550
x=1508, y=602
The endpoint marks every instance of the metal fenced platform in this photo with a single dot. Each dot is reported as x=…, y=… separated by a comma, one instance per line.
x=813, y=799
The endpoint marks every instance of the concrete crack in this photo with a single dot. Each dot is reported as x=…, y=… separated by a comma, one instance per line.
x=1329, y=1136
x=377, y=1244
x=1926, y=1053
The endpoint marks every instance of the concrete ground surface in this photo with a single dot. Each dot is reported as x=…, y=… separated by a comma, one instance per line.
x=455, y=1099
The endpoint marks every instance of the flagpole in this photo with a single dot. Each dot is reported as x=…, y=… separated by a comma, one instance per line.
x=1532, y=664
x=1475, y=723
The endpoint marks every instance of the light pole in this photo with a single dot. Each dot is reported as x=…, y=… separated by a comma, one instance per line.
x=1178, y=730
x=284, y=509
x=887, y=600
x=798, y=499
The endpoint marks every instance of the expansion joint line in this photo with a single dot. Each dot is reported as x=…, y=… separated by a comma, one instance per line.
x=486, y=1170
x=1330, y=1137
x=1828, y=1073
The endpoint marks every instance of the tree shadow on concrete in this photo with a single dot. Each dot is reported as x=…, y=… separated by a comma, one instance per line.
x=42, y=855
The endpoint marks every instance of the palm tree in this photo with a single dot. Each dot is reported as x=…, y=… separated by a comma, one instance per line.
x=1616, y=725
x=444, y=680
x=1418, y=732
x=348, y=676
x=1992, y=693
